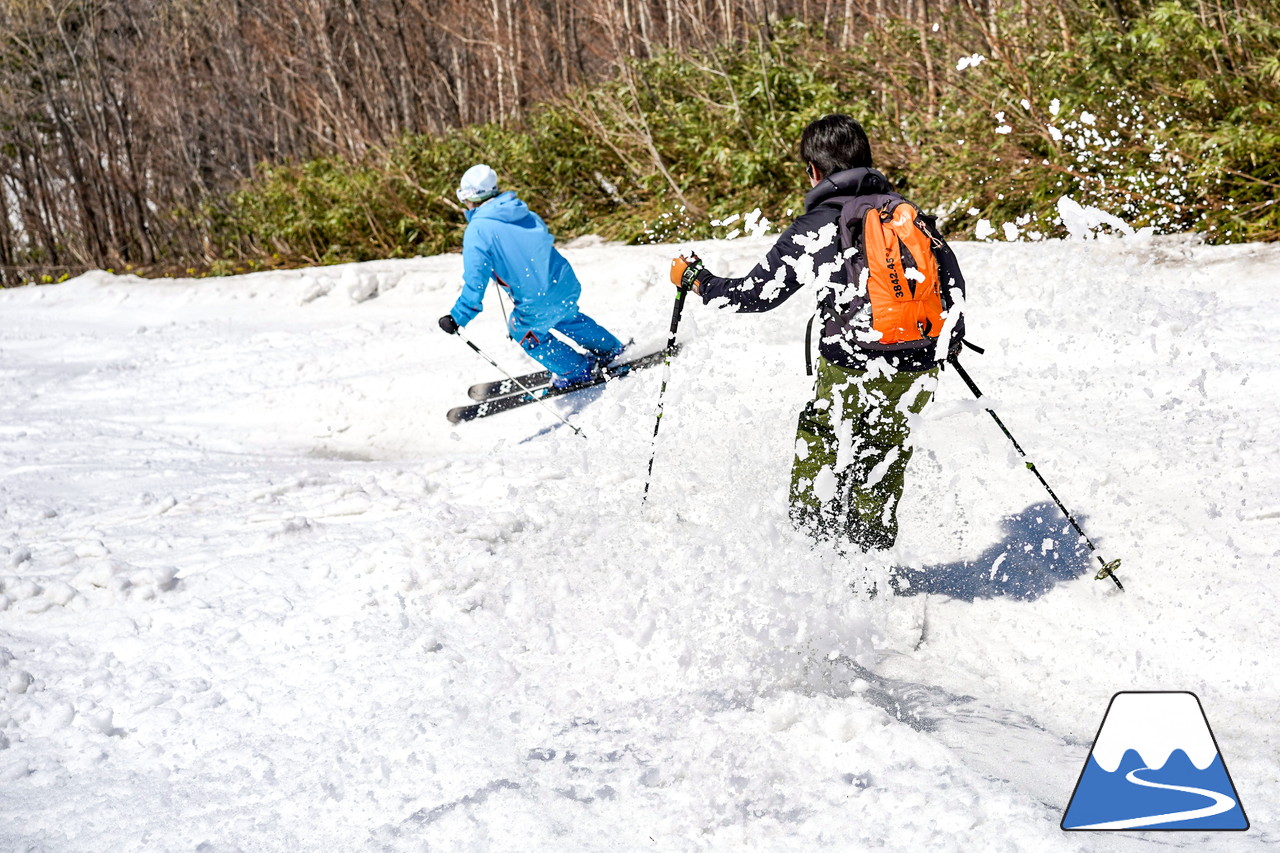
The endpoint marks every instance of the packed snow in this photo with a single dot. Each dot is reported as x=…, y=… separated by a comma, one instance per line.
x=256, y=594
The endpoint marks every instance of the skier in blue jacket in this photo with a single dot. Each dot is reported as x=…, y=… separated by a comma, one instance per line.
x=510, y=244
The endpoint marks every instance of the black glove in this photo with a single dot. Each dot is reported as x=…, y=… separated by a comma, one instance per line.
x=449, y=324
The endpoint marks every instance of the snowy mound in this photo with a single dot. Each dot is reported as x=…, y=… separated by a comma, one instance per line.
x=254, y=585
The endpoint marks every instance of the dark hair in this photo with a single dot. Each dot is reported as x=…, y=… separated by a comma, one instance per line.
x=835, y=143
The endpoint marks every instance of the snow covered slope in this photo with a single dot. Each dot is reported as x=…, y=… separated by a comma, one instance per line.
x=257, y=594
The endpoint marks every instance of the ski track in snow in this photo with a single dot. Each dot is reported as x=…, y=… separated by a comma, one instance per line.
x=257, y=594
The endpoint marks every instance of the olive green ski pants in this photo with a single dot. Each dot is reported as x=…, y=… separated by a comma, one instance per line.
x=852, y=449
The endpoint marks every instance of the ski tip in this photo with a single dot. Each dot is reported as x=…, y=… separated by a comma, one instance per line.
x=482, y=391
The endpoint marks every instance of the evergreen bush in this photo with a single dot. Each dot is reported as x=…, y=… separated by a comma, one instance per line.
x=1167, y=120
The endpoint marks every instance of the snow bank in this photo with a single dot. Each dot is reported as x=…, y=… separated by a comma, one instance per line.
x=253, y=584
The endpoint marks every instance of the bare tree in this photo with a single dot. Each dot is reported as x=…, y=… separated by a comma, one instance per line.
x=122, y=122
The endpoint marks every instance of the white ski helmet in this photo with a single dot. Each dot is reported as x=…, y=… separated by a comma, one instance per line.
x=478, y=184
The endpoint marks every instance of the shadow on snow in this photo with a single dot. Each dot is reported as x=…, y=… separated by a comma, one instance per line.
x=1038, y=551
x=567, y=406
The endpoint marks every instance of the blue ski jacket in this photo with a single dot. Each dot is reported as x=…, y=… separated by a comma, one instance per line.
x=508, y=242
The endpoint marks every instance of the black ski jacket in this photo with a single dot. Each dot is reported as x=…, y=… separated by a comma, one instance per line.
x=809, y=253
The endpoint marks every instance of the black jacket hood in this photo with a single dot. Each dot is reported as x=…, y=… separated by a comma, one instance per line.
x=850, y=182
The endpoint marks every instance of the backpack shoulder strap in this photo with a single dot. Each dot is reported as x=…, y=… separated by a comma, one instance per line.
x=852, y=210
x=808, y=341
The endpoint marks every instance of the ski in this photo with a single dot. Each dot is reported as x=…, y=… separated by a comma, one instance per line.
x=494, y=405
x=501, y=388
x=504, y=387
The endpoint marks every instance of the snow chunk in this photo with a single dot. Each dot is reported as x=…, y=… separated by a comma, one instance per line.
x=19, y=681
x=824, y=484
x=1084, y=223
x=359, y=286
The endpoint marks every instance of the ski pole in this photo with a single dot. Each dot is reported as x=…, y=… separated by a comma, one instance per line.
x=518, y=383
x=1108, y=568
x=666, y=374
x=502, y=303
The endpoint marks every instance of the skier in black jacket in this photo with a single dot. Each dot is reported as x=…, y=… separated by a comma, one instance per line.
x=853, y=440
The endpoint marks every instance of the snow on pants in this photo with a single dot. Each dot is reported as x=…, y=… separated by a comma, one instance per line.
x=563, y=360
x=852, y=449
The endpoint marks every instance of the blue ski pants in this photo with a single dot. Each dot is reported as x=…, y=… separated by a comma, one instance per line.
x=564, y=361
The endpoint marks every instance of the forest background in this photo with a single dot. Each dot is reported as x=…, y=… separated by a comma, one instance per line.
x=216, y=136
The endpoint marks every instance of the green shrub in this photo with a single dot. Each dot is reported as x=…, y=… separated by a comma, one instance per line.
x=1166, y=121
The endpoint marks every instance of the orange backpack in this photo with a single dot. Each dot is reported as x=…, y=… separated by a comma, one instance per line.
x=889, y=248
x=902, y=276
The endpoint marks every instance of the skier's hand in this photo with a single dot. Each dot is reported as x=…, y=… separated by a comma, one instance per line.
x=685, y=270
x=449, y=325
